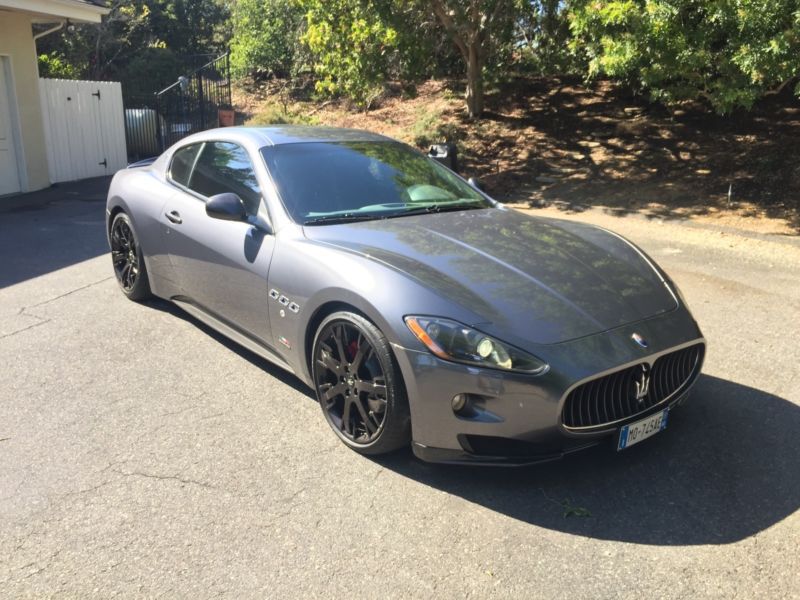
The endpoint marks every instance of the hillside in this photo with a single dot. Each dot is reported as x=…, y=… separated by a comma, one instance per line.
x=556, y=142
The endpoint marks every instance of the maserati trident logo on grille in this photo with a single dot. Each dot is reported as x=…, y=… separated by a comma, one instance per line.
x=642, y=384
x=639, y=340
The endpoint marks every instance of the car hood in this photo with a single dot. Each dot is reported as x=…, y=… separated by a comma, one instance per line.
x=541, y=280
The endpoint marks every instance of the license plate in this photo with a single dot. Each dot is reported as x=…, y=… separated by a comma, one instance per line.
x=641, y=430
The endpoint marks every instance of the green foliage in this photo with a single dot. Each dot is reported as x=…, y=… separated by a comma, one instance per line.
x=356, y=46
x=188, y=27
x=423, y=49
x=542, y=38
x=352, y=44
x=265, y=36
x=429, y=129
x=131, y=35
x=152, y=69
x=55, y=65
x=275, y=114
x=728, y=52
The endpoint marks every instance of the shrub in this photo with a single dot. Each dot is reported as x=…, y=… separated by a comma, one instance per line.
x=274, y=114
x=728, y=53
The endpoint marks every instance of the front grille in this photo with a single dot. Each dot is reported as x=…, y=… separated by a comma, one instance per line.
x=613, y=397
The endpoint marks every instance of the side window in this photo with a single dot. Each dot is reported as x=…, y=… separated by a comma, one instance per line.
x=225, y=167
x=182, y=162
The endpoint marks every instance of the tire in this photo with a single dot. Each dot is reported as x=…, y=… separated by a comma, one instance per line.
x=127, y=259
x=360, y=371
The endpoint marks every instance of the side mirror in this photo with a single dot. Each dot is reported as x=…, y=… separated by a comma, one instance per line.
x=227, y=206
x=447, y=154
x=477, y=184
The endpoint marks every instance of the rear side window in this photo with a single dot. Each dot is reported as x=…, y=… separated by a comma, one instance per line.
x=182, y=162
x=225, y=167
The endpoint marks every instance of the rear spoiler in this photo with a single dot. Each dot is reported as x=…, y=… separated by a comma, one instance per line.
x=145, y=162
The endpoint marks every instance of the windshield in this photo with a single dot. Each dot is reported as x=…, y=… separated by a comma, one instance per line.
x=323, y=183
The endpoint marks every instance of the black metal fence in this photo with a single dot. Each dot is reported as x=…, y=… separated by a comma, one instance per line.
x=197, y=101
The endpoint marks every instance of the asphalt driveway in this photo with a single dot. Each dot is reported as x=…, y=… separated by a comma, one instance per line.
x=142, y=454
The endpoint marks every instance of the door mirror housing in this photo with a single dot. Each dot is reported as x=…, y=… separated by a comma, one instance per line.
x=477, y=184
x=227, y=206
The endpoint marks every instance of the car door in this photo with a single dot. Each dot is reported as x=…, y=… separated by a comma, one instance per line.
x=221, y=266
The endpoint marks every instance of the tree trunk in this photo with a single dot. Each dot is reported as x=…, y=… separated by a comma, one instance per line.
x=474, y=81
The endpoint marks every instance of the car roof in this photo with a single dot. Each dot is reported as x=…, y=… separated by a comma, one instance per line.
x=277, y=135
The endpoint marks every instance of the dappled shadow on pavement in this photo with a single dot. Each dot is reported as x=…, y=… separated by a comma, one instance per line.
x=726, y=468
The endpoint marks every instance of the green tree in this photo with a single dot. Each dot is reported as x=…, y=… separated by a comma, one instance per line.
x=55, y=65
x=542, y=37
x=728, y=52
x=134, y=32
x=477, y=27
x=190, y=27
x=265, y=35
x=150, y=70
x=95, y=51
x=353, y=46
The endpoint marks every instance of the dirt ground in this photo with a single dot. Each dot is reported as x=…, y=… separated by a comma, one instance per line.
x=558, y=143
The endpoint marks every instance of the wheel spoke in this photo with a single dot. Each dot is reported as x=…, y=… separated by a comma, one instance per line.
x=347, y=426
x=332, y=391
x=371, y=428
x=329, y=362
x=371, y=387
x=338, y=337
x=124, y=273
x=364, y=349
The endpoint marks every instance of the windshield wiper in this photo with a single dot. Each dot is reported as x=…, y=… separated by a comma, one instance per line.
x=345, y=218
x=438, y=208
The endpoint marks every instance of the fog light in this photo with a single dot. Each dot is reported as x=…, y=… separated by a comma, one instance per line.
x=459, y=402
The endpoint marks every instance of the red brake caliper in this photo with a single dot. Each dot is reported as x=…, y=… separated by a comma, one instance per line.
x=352, y=348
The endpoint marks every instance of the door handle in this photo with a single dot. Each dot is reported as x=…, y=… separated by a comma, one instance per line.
x=174, y=216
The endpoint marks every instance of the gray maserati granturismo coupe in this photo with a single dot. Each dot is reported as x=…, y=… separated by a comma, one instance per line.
x=419, y=310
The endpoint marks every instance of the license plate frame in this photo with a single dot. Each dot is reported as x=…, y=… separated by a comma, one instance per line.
x=640, y=430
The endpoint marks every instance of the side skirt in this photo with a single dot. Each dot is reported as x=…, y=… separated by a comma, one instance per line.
x=233, y=334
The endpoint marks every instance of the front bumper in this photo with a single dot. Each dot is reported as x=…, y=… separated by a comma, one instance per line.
x=515, y=419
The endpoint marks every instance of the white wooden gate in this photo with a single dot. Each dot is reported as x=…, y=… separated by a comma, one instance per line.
x=84, y=127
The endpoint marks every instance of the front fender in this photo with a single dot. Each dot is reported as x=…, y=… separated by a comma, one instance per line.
x=308, y=280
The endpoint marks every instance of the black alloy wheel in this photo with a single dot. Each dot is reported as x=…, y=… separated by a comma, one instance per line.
x=359, y=386
x=126, y=256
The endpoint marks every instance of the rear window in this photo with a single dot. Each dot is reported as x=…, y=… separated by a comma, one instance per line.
x=180, y=169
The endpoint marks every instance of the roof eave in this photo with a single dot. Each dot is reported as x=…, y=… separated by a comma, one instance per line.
x=50, y=10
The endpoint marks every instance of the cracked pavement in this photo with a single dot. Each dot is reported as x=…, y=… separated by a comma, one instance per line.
x=142, y=454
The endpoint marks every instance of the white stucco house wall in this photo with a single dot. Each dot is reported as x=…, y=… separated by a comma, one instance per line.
x=23, y=154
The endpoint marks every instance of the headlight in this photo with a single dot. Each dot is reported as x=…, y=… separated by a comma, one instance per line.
x=451, y=340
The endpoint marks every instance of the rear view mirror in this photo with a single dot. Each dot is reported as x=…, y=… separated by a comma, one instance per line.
x=227, y=206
